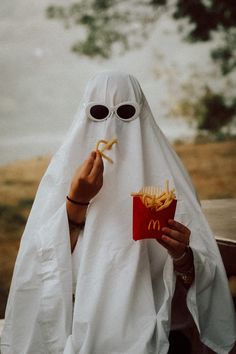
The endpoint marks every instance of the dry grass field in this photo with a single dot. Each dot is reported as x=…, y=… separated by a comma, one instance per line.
x=212, y=167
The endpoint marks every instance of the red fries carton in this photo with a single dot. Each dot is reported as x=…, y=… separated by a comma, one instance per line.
x=148, y=222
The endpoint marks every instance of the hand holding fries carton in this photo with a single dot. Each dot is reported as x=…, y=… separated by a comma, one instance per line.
x=152, y=209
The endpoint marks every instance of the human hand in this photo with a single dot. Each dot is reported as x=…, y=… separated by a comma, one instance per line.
x=175, y=238
x=88, y=179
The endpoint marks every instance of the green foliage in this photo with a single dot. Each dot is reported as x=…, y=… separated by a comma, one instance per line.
x=13, y=218
x=216, y=113
x=110, y=22
x=225, y=54
x=110, y=25
x=93, y=45
x=56, y=12
x=209, y=18
x=11, y=214
x=211, y=111
x=26, y=203
x=158, y=2
x=102, y=4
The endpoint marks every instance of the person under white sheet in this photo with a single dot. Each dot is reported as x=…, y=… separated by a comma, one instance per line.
x=122, y=289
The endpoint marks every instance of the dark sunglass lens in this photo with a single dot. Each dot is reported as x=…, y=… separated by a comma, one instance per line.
x=99, y=111
x=126, y=111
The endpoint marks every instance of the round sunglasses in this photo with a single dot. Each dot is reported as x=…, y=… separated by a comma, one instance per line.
x=125, y=111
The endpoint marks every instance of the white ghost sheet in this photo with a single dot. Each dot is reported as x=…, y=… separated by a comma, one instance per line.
x=123, y=289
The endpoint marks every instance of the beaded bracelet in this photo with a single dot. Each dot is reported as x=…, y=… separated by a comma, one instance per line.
x=75, y=201
x=181, y=257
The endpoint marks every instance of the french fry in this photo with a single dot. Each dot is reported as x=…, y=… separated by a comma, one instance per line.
x=107, y=146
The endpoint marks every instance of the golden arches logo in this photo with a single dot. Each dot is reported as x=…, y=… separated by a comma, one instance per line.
x=153, y=223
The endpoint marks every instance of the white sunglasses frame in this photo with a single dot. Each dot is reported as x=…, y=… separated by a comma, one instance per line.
x=112, y=110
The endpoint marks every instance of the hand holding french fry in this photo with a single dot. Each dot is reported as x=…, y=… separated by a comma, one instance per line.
x=175, y=238
x=88, y=179
x=86, y=183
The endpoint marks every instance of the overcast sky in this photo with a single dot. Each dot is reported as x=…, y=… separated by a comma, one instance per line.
x=42, y=80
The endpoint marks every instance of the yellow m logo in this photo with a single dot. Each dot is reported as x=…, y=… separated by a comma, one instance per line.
x=153, y=223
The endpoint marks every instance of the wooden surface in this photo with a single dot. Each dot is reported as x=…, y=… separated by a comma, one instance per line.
x=221, y=215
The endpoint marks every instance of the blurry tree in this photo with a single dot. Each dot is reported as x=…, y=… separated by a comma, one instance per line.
x=110, y=25
x=113, y=26
x=210, y=110
x=110, y=22
x=216, y=112
x=212, y=18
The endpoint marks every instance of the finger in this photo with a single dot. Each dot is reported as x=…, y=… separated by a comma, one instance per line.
x=161, y=242
x=166, y=244
x=98, y=167
x=176, y=235
x=88, y=164
x=172, y=245
x=178, y=226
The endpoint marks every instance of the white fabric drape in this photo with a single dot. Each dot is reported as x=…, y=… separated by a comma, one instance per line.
x=123, y=289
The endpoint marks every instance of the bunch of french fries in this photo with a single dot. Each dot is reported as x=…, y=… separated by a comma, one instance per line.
x=155, y=198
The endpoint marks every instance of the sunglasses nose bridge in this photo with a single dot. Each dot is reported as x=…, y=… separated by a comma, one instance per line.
x=112, y=111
